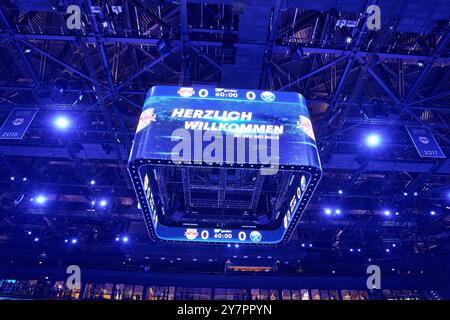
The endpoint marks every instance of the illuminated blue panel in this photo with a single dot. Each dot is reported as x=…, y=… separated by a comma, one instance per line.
x=188, y=192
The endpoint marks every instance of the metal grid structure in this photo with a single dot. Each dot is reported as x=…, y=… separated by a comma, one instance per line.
x=355, y=80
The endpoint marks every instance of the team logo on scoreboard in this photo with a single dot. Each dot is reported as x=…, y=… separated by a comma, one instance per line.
x=305, y=125
x=255, y=236
x=268, y=96
x=186, y=92
x=18, y=121
x=191, y=234
x=147, y=116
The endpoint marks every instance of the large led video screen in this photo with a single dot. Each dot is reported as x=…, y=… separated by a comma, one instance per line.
x=219, y=165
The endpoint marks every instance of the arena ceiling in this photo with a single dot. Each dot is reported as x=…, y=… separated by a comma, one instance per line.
x=356, y=81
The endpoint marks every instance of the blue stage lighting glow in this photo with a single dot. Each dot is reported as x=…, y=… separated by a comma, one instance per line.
x=92, y=182
x=62, y=122
x=337, y=211
x=327, y=211
x=387, y=213
x=310, y=245
x=432, y=212
x=41, y=199
x=36, y=239
x=359, y=250
x=125, y=239
x=103, y=203
x=236, y=245
x=12, y=178
x=416, y=194
x=74, y=241
x=388, y=250
x=117, y=239
x=373, y=140
x=24, y=179
x=351, y=250
x=65, y=240
x=405, y=193
x=394, y=245
x=229, y=245
x=29, y=233
x=340, y=191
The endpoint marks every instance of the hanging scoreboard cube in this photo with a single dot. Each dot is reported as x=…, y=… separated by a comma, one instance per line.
x=215, y=165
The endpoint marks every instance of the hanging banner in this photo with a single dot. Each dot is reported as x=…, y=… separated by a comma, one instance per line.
x=17, y=123
x=425, y=144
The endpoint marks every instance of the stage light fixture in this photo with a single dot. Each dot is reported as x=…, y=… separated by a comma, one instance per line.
x=74, y=241
x=341, y=192
x=103, y=203
x=92, y=182
x=125, y=239
x=373, y=140
x=327, y=211
x=432, y=212
x=337, y=211
x=36, y=239
x=12, y=178
x=387, y=213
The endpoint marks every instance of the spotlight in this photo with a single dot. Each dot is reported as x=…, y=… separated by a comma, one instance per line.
x=24, y=179
x=125, y=239
x=27, y=50
x=29, y=233
x=310, y=245
x=236, y=245
x=351, y=250
x=397, y=213
x=103, y=203
x=405, y=194
x=229, y=245
x=65, y=240
x=303, y=245
x=337, y=211
x=12, y=178
x=394, y=245
x=93, y=202
x=373, y=140
x=388, y=250
x=92, y=182
x=387, y=213
x=74, y=241
x=341, y=192
x=432, y=212
x=41, y=199
x=117, y=239
x=327, y=211
x=36, y=239
x=62, y=122
x=359, y=250
x=415, y=194
x=348, y=40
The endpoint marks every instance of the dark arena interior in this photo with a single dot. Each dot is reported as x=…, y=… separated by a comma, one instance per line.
x=354, y=94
